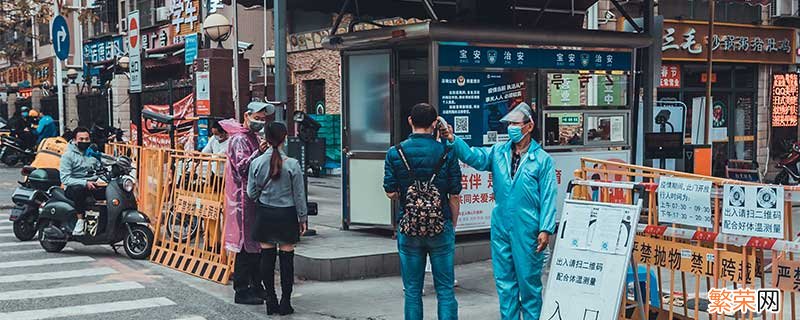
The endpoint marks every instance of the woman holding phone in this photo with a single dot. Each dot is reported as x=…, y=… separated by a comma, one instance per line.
x=276, y=183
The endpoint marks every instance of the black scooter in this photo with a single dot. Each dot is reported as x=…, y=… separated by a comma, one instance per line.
x=114, y=220
x=28, y=197
x=15, y=149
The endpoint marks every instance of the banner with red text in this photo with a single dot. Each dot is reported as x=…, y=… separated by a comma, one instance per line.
x=156, y=134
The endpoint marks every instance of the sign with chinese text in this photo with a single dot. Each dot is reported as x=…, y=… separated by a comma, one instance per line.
x=573, y=89
x=511, y=57
x=786, y=274
x=190, y=48
x=784, y=99
x=753, y=211
x=684, y=201
x=694, y=259
x=15, y=75
x=184, y=18
x=135, y=54
x=157, y=37
x=474, y=102
x=591, y=255
x=156, y=134
x=684, y=41
x=477, y=199
x=203, y=86
x=102, y=50
x=670, y=76
x=43, y=72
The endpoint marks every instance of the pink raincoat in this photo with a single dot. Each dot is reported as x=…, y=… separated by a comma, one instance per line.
x=239, y=209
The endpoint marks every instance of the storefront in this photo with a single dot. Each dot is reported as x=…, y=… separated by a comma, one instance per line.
x=745, y=57
x=578, y=83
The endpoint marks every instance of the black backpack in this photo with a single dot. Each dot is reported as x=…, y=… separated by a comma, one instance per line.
x=423, y=215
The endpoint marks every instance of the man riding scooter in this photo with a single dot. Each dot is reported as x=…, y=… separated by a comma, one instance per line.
x=77, y=167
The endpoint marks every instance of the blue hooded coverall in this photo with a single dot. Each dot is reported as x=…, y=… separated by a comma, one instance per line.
x=525, y=205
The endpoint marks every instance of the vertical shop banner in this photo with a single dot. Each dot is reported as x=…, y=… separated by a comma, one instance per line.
x=203, y=85
x=753, y=210
x=684, y=201
x=190, y=49
x=719, y=121
x=591, y=256
x=784, y=100
x=156, y=134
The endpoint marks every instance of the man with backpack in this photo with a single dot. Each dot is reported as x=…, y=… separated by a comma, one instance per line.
x=425, y=177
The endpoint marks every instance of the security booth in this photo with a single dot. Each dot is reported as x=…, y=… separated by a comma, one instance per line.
x=579, y=83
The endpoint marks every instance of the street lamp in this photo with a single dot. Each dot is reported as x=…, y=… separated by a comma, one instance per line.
x=218, y=28
x=268, y=58
x=72, y=74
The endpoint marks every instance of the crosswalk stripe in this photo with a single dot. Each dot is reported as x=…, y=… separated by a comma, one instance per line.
x=44, y=262
x=19, y=243
x=5, y=222
x=56, y=275
x=5, y=228
x=87, y=309
x=9, y=253
x=68, y=291
x=191, y=318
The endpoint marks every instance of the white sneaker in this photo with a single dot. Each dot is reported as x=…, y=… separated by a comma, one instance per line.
x=79, y=226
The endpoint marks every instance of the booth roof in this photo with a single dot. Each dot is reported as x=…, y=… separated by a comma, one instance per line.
x=434, y=31
x=523, y=13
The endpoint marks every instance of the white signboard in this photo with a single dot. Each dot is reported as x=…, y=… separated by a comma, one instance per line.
x=590, y=261
x=203, y=85
x=477, y=199
x=567, y=162
x=135, y=44
x=684, y=201
x=753, y=211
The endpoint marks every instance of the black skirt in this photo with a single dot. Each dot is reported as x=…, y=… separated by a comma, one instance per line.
x=276, y=225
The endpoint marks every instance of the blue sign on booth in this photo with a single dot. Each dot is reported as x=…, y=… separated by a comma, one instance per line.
x=190, y=48
x=60, y=35
x=455, y=55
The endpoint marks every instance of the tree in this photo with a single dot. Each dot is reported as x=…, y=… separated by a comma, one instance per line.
x=19, y=26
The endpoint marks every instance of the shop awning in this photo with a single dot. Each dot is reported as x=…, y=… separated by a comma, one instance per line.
x=433, y=31
x=520, y=13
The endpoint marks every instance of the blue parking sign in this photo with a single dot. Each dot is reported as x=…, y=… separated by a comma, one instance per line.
x=60, y=35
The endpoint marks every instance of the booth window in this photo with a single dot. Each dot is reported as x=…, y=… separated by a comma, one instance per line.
x=369, y=101
x=575, y=90
x=563, y=129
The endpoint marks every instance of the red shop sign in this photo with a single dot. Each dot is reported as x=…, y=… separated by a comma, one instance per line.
x=670, y=76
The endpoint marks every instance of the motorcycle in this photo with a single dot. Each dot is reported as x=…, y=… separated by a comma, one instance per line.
x=116, y=219
x=28, y=197
x=789, y=175
x=15, y=149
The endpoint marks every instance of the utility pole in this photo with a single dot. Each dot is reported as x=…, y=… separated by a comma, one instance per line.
x=279, y=21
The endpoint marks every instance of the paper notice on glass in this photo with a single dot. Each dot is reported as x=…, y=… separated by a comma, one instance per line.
x=617, y=131
x=576, y=225
x=607, y=230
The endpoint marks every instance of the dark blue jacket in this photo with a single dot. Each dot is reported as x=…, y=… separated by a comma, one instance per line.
x=423, y=153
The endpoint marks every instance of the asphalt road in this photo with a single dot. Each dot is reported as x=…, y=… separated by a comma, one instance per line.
x=8, y=183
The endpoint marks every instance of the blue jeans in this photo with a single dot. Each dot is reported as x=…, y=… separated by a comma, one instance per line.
x=413, y=253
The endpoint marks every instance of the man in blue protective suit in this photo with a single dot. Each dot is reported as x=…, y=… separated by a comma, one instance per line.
x=525, y=210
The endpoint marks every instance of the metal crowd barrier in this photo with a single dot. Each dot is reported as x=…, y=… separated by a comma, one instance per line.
x=689, y=261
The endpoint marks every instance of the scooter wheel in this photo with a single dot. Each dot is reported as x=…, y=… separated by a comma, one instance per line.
x=48, y=245
x=782, y=178
x=24, y=230
x=138, y=242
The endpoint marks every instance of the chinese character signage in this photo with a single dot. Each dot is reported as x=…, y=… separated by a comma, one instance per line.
x=43, y=72
x=573, y=89
x=157, y=37
x=15, y=75
x=670, y=76
x=474, y=102
x=504, y=57
x=102, y=50
x=786, y=274
x=784, y=99
x=684, y=201
x=477, y=199
x=184, y=17
x=591, y=254
x=685, y=41
x=694, y=259
x=753, y=210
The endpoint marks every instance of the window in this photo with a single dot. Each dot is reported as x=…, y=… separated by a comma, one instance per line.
x=698, y=10
x=44, y=34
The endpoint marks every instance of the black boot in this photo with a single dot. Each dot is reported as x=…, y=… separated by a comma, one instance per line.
x=287, y=282
x=268, y=257
x=247, y=296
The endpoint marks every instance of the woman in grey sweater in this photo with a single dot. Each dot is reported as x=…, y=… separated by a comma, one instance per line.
x=276, y=184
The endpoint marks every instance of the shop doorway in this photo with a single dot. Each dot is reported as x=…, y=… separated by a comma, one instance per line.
x=315, y=96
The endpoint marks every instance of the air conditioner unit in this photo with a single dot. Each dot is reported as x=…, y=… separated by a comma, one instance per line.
x=783, y=8
x=162, y=14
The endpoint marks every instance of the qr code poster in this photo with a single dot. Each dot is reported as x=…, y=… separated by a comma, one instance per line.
x=753, y=211
x=461, y=124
